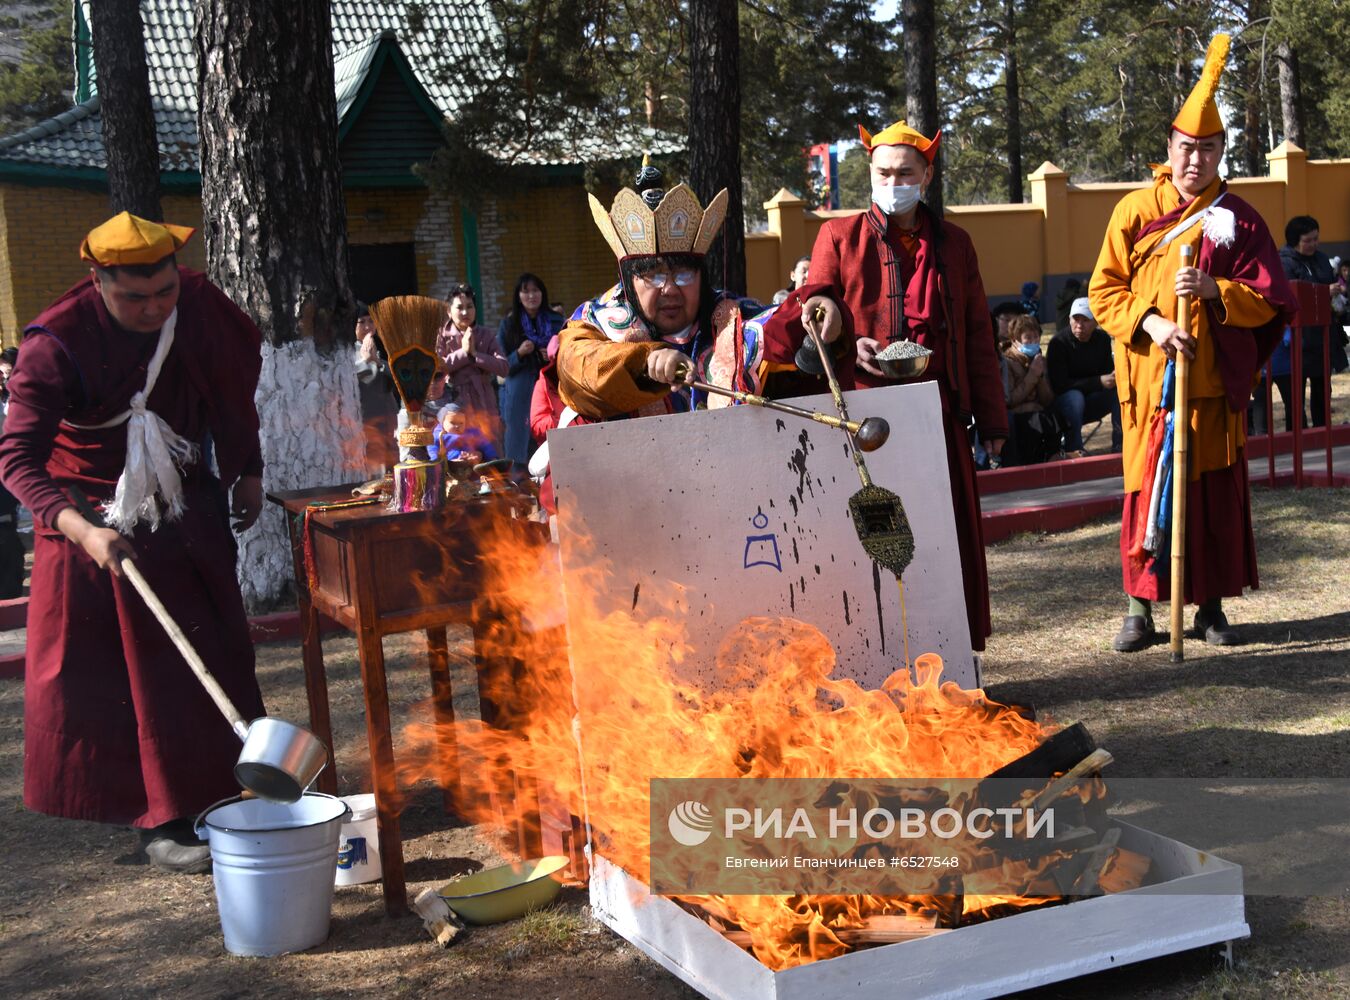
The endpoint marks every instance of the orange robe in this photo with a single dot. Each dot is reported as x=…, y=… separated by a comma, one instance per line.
x=1135, y=276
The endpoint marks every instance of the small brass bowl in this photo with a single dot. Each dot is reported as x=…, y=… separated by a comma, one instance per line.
x=904, y=368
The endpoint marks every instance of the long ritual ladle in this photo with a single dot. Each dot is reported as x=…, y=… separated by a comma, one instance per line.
x=878, y=515
x=279, y=759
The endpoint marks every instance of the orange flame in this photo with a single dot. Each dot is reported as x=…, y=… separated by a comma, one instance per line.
x=777, y=712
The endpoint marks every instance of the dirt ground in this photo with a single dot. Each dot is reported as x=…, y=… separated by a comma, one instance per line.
x=79, y=916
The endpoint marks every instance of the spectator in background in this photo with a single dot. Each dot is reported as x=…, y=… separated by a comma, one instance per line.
x=1302, y=261
x=1034, y=431
x=1073, y=289
x=471, y=365
x=796, y=278
x=1031, y=304
x=1003, y=314
x=7, y=359
x=11, y=546
x=523, y=339
x=1083, y=377
x=379, y=398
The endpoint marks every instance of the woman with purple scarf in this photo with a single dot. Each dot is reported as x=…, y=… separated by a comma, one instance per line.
x=523, y=337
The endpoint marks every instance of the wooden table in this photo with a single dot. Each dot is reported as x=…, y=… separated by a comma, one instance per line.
x=379, y=573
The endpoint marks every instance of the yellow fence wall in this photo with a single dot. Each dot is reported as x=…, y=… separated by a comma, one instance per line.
x=1059, y=234
x=548, y=230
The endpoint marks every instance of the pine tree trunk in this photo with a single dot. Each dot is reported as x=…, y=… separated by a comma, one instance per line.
x=1249, y=69
x=1291, y=98
x=715, y=129
x=128, y=117
x=275, y=229
x=921, y=105
x=1013, y=102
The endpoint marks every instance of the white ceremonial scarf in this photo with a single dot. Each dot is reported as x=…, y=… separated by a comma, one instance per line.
x=154, y=454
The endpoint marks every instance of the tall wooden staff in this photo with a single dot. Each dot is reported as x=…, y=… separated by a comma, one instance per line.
x=1181, y=421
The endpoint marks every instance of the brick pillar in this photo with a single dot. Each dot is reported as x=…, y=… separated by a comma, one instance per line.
x=1289, y=164
x=1050, y=193
x=787, y=221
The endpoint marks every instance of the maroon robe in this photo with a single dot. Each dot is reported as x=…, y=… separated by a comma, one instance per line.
x=116, y=727
x=938, y=301
x=1220, y=544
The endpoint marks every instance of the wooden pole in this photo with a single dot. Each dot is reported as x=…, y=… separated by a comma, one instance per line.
x=1181, y=421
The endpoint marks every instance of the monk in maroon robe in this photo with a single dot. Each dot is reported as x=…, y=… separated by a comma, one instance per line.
x=901, y=273
x=116, y=727
x=1241, y=305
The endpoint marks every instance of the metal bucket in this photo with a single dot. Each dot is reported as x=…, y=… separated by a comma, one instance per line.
x=273, y=868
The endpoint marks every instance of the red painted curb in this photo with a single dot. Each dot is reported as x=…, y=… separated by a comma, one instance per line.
x=1002, y=524
x=1060, y=473
x=13, y=613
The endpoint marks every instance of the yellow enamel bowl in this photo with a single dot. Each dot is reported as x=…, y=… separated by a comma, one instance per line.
x=506, y=892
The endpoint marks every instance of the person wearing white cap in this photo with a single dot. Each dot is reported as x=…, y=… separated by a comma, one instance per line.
x=1083, y=377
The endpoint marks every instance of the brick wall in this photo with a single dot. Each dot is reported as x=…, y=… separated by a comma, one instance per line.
x=40, y=235
x=547, y=231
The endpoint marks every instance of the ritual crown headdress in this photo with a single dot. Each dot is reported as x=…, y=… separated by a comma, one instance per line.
x=1199, y=117
x=651, y=220
x=900, y=134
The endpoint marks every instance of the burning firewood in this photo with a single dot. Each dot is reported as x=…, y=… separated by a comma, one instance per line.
x=890, y=928
x=1125, y=870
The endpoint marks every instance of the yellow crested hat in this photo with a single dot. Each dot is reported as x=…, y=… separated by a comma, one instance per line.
x=657, y=221
x=900, y=134
x=129, y=239
x=1199, y=116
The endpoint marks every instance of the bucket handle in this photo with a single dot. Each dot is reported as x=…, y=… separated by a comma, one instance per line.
x=200, y=821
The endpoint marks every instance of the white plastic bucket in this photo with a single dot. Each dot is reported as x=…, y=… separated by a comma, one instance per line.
x=358, y=858
x=273, y=868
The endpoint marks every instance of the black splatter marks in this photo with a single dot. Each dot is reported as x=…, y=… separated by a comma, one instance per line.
x=779, y=425
x=881, y=622
x=797, y=463
x=637, y=587
x=848, y=614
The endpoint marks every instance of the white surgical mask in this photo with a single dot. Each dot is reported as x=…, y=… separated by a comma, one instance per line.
x=895, y=199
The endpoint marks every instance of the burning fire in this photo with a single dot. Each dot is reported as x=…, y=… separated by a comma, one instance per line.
x=777, y=712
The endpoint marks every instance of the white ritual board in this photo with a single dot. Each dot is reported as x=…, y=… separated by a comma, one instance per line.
x=747, y=511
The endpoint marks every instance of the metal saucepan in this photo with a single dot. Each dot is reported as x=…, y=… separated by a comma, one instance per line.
x=279, y=759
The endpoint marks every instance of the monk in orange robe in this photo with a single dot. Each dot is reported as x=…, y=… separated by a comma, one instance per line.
x=1241, y=303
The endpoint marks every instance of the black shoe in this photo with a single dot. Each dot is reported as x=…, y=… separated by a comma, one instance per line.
x=1215, y=629
x=173, y=847
x=1135, y=634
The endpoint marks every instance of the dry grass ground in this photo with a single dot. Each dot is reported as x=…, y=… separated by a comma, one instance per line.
x=79, y=916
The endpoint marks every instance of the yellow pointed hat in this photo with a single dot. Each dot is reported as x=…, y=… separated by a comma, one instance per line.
x=129, y=239
x=900, y=134
x=1199, y=116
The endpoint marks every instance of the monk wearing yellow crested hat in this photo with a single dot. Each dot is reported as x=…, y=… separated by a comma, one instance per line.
x=904, y=274
x=1241, y=304
x=128, y=390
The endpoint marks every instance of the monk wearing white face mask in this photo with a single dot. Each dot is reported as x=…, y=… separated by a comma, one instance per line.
x=902, y=273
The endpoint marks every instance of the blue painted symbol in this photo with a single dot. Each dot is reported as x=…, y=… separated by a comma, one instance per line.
x=762, y=549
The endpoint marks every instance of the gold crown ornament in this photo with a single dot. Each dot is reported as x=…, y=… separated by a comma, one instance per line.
x=650, y=221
